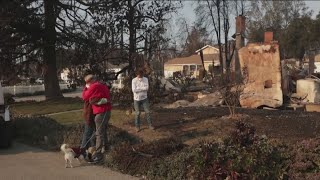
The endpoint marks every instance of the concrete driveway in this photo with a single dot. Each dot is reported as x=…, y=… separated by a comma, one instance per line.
x=29, y=163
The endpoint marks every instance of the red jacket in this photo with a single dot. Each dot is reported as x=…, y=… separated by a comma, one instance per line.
x=97, y=90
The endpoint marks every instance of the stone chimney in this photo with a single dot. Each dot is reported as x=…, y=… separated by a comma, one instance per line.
x=268, y=37
x=240, y=29
x=240, y=24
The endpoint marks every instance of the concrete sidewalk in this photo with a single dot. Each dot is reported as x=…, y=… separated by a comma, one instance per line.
x=22, y=162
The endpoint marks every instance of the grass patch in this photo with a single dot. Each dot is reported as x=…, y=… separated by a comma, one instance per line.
x=46, y=133
x=118, y=117
x=68, y=118
x=47, y=107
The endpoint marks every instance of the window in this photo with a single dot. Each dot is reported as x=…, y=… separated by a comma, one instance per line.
x=193, y=68
x=185, y=70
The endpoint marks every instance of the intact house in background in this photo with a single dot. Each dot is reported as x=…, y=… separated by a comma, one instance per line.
x=109, y=68
x=112, y=68
x=192, y=65
x=311, y=63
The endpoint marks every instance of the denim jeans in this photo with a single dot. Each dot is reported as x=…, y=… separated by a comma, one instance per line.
x=87, y=134
x=101, y=120
x=145, y=104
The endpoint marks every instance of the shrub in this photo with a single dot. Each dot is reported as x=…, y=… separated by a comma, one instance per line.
x=243, y=155
x=32, y=130
x=175, y=166
x=137, y=159
x=244, y=134
x=305, y=161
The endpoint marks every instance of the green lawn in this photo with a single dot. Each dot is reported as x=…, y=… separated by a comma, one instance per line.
x=47, y=107
x=118, y=117
x=68, y=117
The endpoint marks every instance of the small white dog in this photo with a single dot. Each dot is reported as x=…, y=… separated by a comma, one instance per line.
x=70, y=154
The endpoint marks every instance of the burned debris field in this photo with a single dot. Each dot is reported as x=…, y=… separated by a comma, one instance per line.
x=201, y=123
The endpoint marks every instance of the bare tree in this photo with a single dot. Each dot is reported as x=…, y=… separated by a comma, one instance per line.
x=93, y=30
x=192, y=36
x=217, y=13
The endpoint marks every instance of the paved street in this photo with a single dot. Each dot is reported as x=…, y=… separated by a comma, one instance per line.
x=77, y=93
x=22, y=162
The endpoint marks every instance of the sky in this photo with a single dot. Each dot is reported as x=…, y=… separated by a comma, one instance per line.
x=189, y=5
x=188, y=12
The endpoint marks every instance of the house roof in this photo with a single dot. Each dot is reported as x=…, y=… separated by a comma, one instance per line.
x=114, y=66
x=204, y=47
x=194, y=59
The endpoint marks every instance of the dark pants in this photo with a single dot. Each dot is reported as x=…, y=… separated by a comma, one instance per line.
x=87, y=134
x=145, y=104
x=101, y=121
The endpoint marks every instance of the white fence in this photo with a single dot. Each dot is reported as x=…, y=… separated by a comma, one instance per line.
x=27, y=89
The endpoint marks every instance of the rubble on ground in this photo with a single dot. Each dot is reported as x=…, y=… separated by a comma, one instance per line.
x=177, y=104
x=311, y=87
x=298, y=98
x=203, y=99
x=169, y=85
x=212, y=99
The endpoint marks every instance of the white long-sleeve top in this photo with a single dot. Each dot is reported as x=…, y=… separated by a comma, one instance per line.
x=140, y=88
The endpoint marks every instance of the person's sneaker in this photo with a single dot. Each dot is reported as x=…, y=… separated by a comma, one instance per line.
x=138, y=129
x=88, y=160
x=152, y=127
x=97, y=160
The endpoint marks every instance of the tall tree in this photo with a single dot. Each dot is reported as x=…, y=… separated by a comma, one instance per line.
x=36, y=27
x=49, y=51
x=137, y=19
x=91, y=29
x=192, y=37
x=20, y=34
x=217, y=15
x=288, y=20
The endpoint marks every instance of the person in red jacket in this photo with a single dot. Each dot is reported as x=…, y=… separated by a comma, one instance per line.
x=98, y=95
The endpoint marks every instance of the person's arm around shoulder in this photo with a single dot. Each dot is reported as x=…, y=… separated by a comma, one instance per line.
x=88, y=92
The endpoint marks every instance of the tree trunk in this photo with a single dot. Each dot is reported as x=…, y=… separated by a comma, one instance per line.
x=51, y=83
x=132, y=40
x=218, y=33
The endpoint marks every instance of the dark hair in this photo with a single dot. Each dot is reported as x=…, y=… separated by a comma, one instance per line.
x=139, y=72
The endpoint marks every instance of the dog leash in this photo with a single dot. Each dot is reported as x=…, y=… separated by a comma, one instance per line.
x=94, y=132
